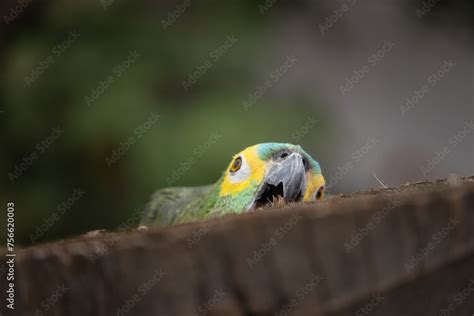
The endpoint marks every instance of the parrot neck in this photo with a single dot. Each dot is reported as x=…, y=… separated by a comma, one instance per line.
x=218, y=204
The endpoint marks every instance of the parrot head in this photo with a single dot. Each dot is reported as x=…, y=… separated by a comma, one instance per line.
x=260, y=173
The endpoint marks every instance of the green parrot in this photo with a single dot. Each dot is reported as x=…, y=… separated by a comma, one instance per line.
x=255, y=176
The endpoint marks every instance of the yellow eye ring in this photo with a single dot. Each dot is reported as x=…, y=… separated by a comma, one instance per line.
x=236, y=165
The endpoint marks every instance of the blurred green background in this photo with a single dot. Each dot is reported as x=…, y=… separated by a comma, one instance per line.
x=153, y=83
x=57, y=56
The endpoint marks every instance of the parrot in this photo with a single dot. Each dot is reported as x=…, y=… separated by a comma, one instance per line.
x=253, y=179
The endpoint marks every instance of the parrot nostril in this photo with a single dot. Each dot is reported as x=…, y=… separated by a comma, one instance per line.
x=283, y=155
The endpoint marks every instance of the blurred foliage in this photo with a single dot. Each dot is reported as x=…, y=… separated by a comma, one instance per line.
x=152, y=84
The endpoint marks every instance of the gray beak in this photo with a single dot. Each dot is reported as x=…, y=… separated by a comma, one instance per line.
x=285, y=178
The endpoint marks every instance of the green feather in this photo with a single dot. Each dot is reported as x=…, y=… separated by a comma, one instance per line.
x=180, y=205
x=173, y=205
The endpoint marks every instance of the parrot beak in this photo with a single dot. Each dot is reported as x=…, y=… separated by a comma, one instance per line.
x=285, y=178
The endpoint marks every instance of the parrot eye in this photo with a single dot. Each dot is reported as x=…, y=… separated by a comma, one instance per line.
x=236, y=165
x=306, y=164
x=320, y=193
